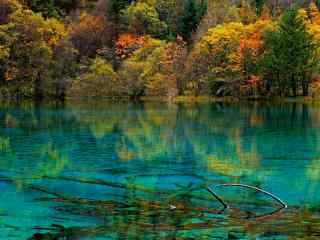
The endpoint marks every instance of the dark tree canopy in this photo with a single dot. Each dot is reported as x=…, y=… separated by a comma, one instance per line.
x=191, y=16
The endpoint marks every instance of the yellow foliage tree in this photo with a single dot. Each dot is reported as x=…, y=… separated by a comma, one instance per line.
x=154, y=68
x=29, y=42
x=314, y=13
x=143, y=18
x=168, y=83
x=99, y=81
x=137, y=69
x=227, y=55
x=314, y=24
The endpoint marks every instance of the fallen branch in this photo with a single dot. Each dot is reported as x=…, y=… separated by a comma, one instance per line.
x=254, y=188
x=217, y=197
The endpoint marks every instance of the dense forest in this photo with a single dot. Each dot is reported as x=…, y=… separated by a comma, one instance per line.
x=158, y=48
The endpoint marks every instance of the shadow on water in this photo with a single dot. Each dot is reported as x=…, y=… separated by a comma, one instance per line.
x=140, y=170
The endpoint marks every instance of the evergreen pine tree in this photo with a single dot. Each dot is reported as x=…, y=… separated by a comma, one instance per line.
x=290, y=54
x=259, y=6
x=46, y=7
x=115, y=7
x=191, y=17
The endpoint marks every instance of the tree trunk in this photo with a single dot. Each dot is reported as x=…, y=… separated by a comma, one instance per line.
x=305, y=90
x=305, y=85
x=280, y=85
x=38, y=88
x=293, y=85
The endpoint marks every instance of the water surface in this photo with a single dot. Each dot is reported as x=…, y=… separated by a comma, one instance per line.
x=140, y=170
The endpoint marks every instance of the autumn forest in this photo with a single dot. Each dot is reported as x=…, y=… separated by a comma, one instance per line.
x=159, y=119
x=158, y=48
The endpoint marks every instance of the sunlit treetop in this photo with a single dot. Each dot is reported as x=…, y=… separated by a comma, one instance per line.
x=142, y=18
x=31, y=26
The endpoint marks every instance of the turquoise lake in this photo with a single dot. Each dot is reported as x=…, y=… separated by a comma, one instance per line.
x=141, y=171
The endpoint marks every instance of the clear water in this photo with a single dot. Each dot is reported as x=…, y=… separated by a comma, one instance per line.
x=140, y=171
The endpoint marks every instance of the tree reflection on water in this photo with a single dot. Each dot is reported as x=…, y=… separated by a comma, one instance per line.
x=140, y=170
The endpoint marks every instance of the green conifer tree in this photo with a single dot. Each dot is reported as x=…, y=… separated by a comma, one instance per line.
x=290, y=55
x=46, y=7
x=190, y=18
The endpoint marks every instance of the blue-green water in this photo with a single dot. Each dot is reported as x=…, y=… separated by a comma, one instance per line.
x=140, y=171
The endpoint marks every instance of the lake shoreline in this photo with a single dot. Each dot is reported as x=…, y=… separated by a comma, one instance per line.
x=177, y=100
x=208, y=99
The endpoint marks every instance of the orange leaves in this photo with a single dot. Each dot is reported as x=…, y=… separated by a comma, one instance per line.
x=91, y=24
x=316, y=80
x=172, y=63
x=314, y=13
x=12, y=73
x=8, y=76
x=253, y=42
x=252, y=36
x=315, y=84
x=128, y=43
x=249, y=49
x=228, y=54
x=313, y=25
x=254, y=79
x=173, y=53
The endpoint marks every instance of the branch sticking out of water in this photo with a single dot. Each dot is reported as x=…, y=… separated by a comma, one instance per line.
x=254, y=188
x=217, y=197
x=225, y=205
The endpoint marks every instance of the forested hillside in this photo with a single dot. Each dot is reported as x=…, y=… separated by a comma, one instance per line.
x=159, y=48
